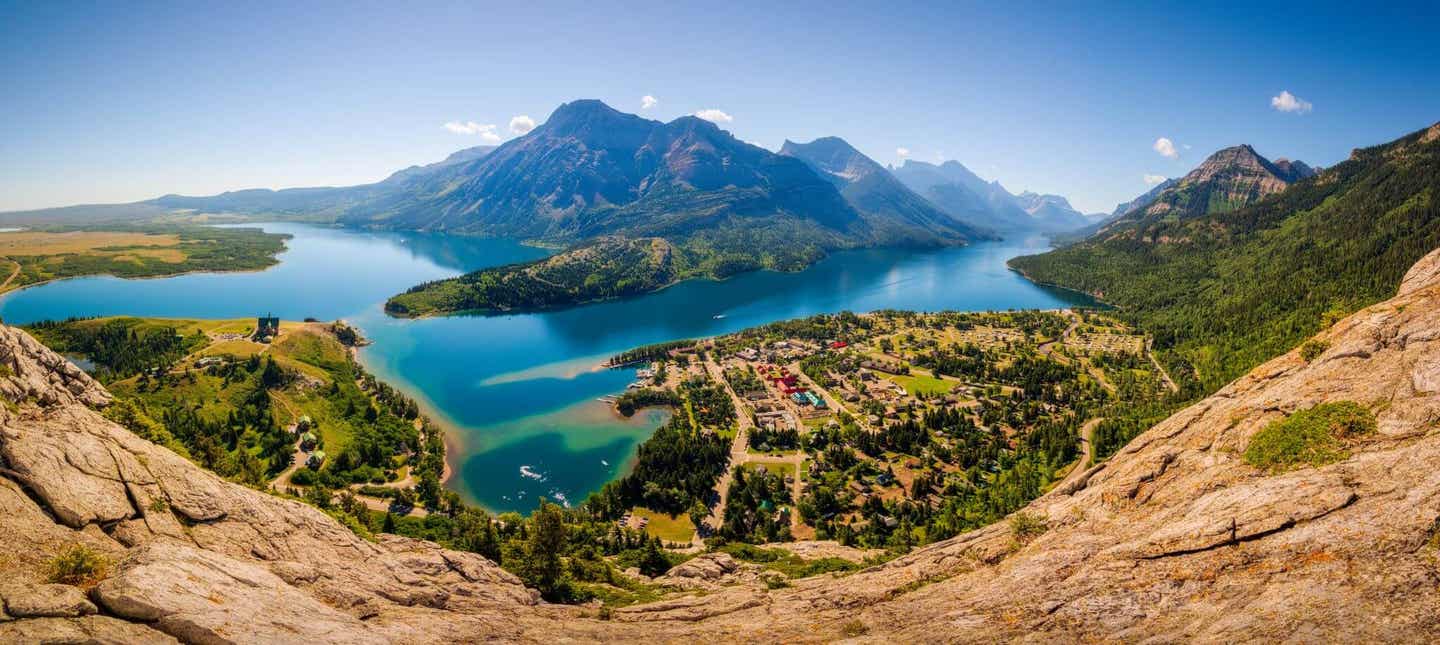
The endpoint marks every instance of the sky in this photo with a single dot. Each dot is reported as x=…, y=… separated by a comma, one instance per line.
x=116, y=102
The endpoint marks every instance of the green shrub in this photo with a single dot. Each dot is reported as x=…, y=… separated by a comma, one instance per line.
x=1027, y=526
x=77, y=565
x=1310, y=437
x=303, y=477
x=1312, y=349
x=854, y=628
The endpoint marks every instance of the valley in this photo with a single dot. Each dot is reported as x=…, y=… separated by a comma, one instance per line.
x=870, y=323
x=517, y=391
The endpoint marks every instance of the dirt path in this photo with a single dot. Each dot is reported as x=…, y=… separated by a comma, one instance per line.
x=1149, y=351
x=13, y=274
x=1087, y=453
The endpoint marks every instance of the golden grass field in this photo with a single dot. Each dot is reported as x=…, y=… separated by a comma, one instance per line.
x=26, y=243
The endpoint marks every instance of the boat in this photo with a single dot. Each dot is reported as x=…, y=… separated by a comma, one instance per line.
x=718, y=317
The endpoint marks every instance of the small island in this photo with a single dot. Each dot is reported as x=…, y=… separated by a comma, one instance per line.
x=612, y=267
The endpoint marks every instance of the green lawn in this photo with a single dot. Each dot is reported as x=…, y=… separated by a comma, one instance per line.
x=919, y=383
x=669, y=529
x=817, y=422
x=782, y=469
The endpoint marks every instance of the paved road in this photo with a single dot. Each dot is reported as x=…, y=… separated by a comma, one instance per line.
x=738, y=454
x=1049, y=346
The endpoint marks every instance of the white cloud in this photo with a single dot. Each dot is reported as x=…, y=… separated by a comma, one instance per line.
x=647, y=102
x=902, y=152
x=714, y=116
x=521, y=124
x=1166, y=148
x=486, y=131
x=1154, y=179
x=1287, y=102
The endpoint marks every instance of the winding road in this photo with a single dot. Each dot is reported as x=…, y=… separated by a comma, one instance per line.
x=1087, y=453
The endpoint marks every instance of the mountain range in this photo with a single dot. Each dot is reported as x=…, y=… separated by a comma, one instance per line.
x=964, y=195
x=869, y=186
x=591, y=171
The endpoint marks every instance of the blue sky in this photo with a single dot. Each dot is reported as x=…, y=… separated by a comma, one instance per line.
x=110, y=102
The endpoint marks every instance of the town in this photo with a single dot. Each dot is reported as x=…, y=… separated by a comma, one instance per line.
x=892, y=429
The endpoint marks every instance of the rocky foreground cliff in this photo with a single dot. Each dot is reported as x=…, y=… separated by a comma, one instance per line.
x=1176, y=538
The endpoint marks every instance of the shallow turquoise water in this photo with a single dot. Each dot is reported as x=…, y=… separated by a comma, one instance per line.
x=521, y=390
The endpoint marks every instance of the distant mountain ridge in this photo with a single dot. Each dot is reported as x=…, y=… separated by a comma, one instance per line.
x=590, y=171
x=965, y=196
x=1051, y=212
x=869, y=187
x=1145, y=199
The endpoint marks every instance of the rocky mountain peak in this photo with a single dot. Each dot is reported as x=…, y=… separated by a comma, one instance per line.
x=833, y=156
x=1228, y=179
x=1293, y=171
x=594, y=121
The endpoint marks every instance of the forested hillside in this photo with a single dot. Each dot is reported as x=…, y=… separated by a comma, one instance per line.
x=1225, y=291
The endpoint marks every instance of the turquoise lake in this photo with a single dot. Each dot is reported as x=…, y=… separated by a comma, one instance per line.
x=520, y=391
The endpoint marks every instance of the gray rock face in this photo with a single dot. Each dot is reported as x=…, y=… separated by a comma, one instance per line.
x=91, y=630
x=47, y=601
x=193, y=556
x=204, y=597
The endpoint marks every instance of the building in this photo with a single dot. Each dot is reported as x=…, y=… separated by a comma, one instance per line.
x=267, y=326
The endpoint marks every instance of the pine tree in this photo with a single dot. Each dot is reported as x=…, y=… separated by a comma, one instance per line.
x=547, y=542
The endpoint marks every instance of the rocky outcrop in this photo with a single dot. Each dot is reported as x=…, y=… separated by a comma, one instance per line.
x=195, y=557
x=1174, y=538
x=47, y=601
x=1231, y=178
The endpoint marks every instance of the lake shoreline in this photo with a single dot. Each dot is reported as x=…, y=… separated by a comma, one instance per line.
x=501, y=387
